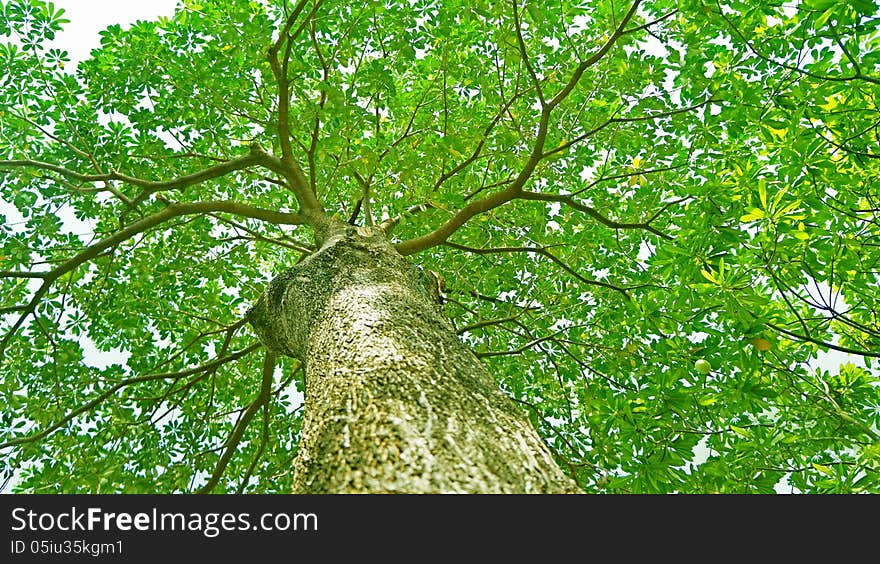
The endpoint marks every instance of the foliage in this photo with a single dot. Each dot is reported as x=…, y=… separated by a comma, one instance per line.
x=611, y=193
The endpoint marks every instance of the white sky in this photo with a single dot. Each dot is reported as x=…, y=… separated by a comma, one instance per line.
x=78, y=38
x=81, y=35
x=89, y=17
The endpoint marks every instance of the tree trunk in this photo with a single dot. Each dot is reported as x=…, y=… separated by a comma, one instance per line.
x=394, y=400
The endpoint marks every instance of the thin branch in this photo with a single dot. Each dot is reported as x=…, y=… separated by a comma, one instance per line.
x=623, y=175
x=545, y=253
x=650, y=23
x=149, y=186
x=145, y=224
x=636, y=119
x=525, y=54
x=571, y=202
x=487, y=323
x=595, y=58
x=809, y=339
x=242, y=425
x=122, y=384
x=857, y=76
x=517, y=350
x=514, y=190
x=18, y=274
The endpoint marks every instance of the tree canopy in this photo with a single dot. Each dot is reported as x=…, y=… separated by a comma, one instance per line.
x=654, y=220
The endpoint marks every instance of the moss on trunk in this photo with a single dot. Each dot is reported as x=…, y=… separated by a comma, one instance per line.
x=395, y=402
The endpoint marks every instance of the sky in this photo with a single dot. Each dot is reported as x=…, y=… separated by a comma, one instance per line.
x=79, y=37
x=89, y=17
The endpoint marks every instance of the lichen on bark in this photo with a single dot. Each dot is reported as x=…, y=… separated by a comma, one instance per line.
x=395, y=401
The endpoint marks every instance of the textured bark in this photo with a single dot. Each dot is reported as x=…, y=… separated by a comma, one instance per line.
x=394, y=401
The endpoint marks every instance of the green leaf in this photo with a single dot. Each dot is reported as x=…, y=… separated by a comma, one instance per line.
x=670, y=231
x=753, y=214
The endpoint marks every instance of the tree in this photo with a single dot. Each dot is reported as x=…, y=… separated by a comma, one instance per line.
x=498, y=246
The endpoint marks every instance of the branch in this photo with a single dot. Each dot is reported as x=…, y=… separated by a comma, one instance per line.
x=525, y=54
x=515, y=351
x=17, y=274
x=650, y=23
x=857, y=76
x=145, y=224
x=122, y=384
x=514, y=190
x=475, y=154
x=442, y=233
x=316, y=129
x=149, y=186
x=544, y=253
x=638, y=172
x=487, y=323
x=571, y=202
x=242, y=425
x=389, y=224
x=595, y=58
x=257, y=236
x=526, y=346
x=288, y=25
x=292, y=171
x=610, y=121
x=821, y=343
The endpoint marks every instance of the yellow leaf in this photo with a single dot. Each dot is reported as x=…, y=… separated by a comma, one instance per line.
x=833, y=102
x=790, y=207
x=753, y=214
x=741, y=432
x=821, y=468
x=778, y=133
x=708, y=276
x=761, y=344
x=778, y=197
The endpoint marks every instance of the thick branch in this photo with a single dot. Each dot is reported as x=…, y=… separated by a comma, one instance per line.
x=514, y=190
x=442, y=233
x=291, y=169
x=145, y=224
